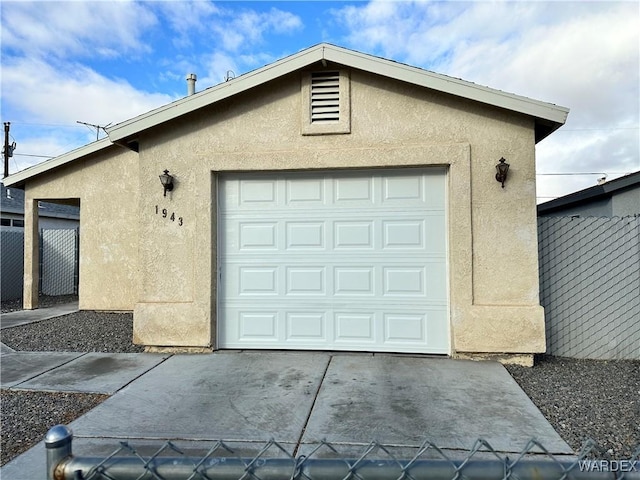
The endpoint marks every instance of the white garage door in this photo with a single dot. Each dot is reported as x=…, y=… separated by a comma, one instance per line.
x=334, y=261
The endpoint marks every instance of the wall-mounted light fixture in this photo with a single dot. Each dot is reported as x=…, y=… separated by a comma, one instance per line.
x=502, y=168
x=167, y=182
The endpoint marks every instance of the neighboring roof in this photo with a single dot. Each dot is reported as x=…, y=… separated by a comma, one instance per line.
x=12, y=201
x=548, y=117
x=597, y=192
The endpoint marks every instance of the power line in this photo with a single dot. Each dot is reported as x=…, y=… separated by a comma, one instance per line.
x=66, y=125
x=38, y=156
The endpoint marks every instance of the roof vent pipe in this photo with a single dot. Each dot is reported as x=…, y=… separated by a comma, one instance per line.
x=191, y=83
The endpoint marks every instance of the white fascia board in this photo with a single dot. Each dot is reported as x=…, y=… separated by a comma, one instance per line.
x=349, y=58
x=214, y=94
x=443, y=83
x=20, y=177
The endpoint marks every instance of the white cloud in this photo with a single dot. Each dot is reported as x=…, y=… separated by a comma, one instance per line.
x=46, y=140
x=583, y=55
x=38, y=92
x=214, y=40
x=75, y=28
x=245, y=28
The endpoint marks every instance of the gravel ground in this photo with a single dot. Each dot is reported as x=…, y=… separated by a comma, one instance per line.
x=43, y=301
x=580, y=398
x=584, y=399
x=84, y=331
x=27, y=416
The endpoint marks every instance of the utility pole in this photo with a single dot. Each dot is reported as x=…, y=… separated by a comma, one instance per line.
x=7, y=152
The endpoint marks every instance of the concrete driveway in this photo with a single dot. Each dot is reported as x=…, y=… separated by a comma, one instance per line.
x=298, y=399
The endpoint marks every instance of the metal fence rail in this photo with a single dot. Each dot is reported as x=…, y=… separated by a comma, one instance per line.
x=376, y=462
x=590, y=286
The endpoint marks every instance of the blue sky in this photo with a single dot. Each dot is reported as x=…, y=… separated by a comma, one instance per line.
x=103, y=62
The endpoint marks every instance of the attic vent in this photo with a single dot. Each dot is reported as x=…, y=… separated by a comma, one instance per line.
x=325, y=97
x=326, y=102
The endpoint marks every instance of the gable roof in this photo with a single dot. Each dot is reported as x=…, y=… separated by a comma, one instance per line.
x=548, y=117
x=597, y=192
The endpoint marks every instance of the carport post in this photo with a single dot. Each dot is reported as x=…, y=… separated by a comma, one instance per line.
x=57, y=441
x=31, y=255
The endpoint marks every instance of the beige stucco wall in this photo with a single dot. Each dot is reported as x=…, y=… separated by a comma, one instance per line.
x=164, y=267
x=493, y=244
x=106, y=186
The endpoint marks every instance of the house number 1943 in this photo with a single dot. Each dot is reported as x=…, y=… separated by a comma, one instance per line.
x=171, y=216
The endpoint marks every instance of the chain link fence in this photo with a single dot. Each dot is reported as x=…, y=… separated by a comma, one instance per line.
x=59, y=262
x=12, y=263
x=325, y=462
x=590, y=286
x=59, y=253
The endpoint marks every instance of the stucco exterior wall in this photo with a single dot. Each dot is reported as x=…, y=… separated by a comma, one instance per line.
x=106, y=187
x=493, y=269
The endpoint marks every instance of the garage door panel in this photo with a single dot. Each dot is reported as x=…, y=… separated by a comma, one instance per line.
x=333, y=260
x=260, y=326
x=309, y=192
x=258, y=281
x=257, y=235
x=401, y=188
x=353, y=280
x=306, y=280
x=253, y=192
x=405, y=281
x=307, y=327
x=305, y=235
x=403, y=234
x=351, y=234
x=405, y=328
x=355, y=328
x=353, y=189
x=337, y=329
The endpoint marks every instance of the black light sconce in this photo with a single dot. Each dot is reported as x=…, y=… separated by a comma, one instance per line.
x=167, y=182
x=502, y=168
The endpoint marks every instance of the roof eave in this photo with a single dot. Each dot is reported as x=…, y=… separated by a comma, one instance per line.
x=121, y=132
x=540, y=110
x=18, y=179
x=549, y=117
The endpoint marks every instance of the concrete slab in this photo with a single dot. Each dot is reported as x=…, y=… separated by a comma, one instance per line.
x=250, y=397
x=19, y=367
x=95, y=373
x=5, y=348
x=403, y=400
x=22, y=317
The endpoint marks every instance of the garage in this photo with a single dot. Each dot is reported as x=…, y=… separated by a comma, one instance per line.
x=337, y=260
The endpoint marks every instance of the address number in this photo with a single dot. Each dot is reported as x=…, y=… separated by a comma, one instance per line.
x=170, y=216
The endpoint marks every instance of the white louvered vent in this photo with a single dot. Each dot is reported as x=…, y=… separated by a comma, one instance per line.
x=325, y=97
